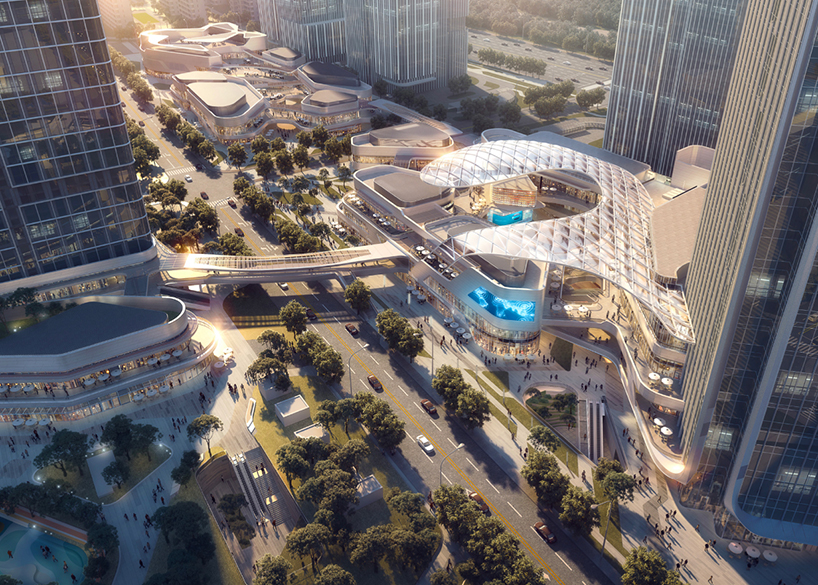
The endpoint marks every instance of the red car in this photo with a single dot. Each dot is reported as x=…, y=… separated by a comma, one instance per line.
x=428, y=406
x=375, y=383
x=545, y=532
x=203, y=195
x=239, y=232
x=231, y=203
x=478, y=499
x=351, y=328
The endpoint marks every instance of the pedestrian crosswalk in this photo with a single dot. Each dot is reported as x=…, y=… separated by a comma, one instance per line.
x=180, y=171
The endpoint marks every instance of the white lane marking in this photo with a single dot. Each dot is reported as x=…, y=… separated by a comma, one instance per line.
x=325, y=307
x=434, y=423
x=472, y=464
x=336, y=319
x=314, y=327
x=563, y=561
x=492, y=486
x=361, y=344
x=390, y=377
x=515, y=509
x=402, y=390
x=452, y=442
x=351, y=370
x=419, y=407
x=313, y=294
x=408, y=435
x=447, y=479
x=362, y=384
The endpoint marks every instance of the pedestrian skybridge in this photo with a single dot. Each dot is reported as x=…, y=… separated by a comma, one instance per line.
x=611, y=241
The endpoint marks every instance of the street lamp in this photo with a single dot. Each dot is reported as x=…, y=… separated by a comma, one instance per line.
x=440, y=477
x=607, y=524
x=349, y=366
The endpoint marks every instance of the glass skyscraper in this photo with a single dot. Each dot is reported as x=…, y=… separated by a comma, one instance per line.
x=672, y=70
x=68, y=190
x=316, y=28
x=750, y=422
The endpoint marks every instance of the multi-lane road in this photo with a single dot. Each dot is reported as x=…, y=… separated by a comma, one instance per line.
x=585, y=69
x=470, y=467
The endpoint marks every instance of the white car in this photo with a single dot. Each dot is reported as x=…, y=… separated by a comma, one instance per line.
x=566, y=62
x=188, y=178
x=425, y=444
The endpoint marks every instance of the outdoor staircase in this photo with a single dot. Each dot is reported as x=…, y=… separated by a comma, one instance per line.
x=258, y=487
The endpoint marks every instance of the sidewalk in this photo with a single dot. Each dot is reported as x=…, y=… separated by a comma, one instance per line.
x=684, y=541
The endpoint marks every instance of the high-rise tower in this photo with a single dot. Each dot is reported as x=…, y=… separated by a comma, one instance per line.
x=68, y=190
x=672, y=70
x=750, y=387
x=315, y=28
x=418, y=43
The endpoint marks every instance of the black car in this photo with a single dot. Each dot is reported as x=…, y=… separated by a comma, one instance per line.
x=311, y=315
x=375, y=383
x=199, y=167
x=203, y=195
x=239, y=232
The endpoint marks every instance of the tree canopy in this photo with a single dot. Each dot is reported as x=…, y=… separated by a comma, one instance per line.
x=204, y=427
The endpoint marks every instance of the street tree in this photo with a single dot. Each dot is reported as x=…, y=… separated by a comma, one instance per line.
x=117, y=433
x=284, y=162
x=272, y=570
x=259, y=145
x=116, y=472
x=204, y=427
x=265, y=164
x=344, y=174
x=358, y=295
x=644, y=567
x=102, y=538
x=323, y=176
x=440, y=112
x=618, y=486
x=237, y=155
x=272, y=339
x=308, y=541
x=542, y=436
x=542, y=473
x=455, y=511
x=329, y=365
x=301, y=157
x=449, y=383
x=410, y=343
x=240, y=185
x=459, y=84
x=333, y=575
x=319, y=136
x=578, y=513
x=182, y=473
x=292, y=460
x=304, y=139
x=605, y=466
x=66, y=452
x=442, y=577
x=473, y=408
x=509, y=112
x=231, y=244
x=143, y=436
x=548, y=106
x=371, y=546
x=589, y=98
x=333, y=150
x=183, y=519
x=350, y=454
x=294, y=317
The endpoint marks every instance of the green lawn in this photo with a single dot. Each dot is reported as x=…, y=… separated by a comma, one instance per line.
x=489, y=85
x=145, y=18
x=222, y=568
x=614, y=534
x=308, y=199
x=597, y=143
x=341, y=243
x=500, y=415
x=170, y=104
x=271, y=435
x=517, y=83
x=83, y=485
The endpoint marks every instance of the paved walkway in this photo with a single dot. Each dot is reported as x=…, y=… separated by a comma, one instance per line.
x=684, y=542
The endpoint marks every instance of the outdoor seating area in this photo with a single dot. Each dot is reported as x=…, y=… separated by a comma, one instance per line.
x=435, y=262
x=386, y=224
x=751, y=554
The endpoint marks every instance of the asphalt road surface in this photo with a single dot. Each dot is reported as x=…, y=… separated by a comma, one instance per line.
x=470, y=467
x=555, y=59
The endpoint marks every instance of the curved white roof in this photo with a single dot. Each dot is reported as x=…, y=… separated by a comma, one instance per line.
x=612, y=240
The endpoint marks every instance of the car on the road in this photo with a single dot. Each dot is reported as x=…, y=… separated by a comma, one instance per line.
x=558, y=79
x=478, y=499
x=550, y=58
x=545, y=532
x=589, y=68
x=566, y=62
x=203, y=195
x=603, y=68
x=516, y=44
x=375, y=383
x=575, y=80
x=425, y=444
x=473, y=36
x=231, y=203
x=351, y=328
x=141, y=122
x=283, y=286
x=199, y=167
x=188, y=178
x=487, y=40
x=311, y=315
x=504, y=44
x=239, y=232
x=428, y=406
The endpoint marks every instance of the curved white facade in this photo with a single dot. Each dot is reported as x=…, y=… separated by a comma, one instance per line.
x=611, y=241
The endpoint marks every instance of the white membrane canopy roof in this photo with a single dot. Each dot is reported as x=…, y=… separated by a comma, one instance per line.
x=611, y=241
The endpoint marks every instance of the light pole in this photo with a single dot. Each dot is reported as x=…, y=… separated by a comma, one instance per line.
x=607, y=524
x=440, y=477
x=349, y=366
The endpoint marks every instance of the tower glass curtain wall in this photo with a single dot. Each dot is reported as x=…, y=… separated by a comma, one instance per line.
x=418, y=43
x=68, y=190
x=751, y=381
x=673, y=65
x=313, y=27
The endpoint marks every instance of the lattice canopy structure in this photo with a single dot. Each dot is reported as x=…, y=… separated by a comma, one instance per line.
x=611, y=241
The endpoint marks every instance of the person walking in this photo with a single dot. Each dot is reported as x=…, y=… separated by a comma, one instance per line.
x=141, y=564
x=11, y=556
x=126, y=518
x=710, y=580
x=697, y=527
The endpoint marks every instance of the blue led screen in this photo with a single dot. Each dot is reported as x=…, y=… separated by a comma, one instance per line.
x=504, y=308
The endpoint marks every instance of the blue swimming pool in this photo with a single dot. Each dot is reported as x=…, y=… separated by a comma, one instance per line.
x=504, y=308
x=28, y=563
